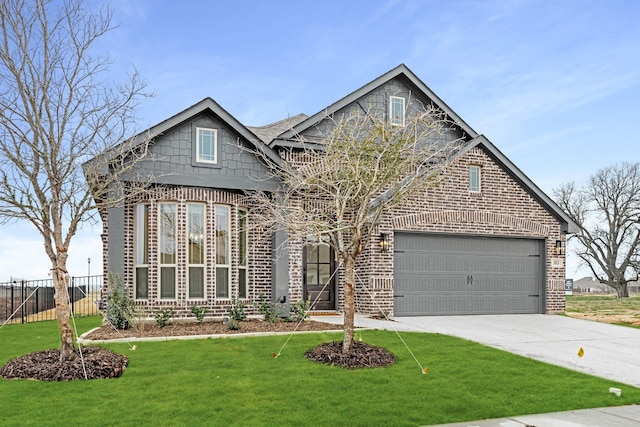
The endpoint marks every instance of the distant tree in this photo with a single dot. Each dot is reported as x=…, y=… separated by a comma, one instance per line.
x=607, y=210
x=337, y=187
x=58, y=108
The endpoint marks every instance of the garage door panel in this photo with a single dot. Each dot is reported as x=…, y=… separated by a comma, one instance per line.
x=447, y=274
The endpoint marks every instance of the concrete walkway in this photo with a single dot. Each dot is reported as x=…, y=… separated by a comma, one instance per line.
x=619, y=416
x=610, y=351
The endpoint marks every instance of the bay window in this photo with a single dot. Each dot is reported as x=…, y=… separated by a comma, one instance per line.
x=223, y=251
x=141, y=251
x=195, y=250
x=168, y=250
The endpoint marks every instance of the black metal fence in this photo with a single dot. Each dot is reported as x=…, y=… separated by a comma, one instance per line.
x=23, y=301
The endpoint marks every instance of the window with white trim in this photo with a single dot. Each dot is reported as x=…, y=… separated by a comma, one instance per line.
x=474, y=179
x=167, y=246
x=141, y=250
x=242, y=253
x=206, y=145
x=223, y=251
x=396, y=110
x=195, y=250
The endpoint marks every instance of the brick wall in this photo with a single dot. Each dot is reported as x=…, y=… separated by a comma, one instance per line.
x=259, y=252
x=502, y=208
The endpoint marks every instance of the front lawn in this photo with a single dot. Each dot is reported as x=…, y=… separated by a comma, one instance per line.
x=236, y=381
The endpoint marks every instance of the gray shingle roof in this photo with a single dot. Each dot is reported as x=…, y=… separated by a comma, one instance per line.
x=268, y=133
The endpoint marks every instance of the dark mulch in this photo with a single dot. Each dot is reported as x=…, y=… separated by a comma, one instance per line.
x=362, y=355
x=46, y=365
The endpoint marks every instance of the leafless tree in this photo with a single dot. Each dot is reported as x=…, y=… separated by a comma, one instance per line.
x=337, y=187
x=607, y=210
x=58, y=109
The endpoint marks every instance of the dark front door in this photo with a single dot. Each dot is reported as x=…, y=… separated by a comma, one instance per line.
x=319, y=277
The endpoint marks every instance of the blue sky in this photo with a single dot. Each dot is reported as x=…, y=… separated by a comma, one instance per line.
x=555, y=85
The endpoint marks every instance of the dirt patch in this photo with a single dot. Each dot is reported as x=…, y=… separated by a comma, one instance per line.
x=99, y=363
x=627, y=319
x=361, y=356
x=605, y=308
x=107, y=332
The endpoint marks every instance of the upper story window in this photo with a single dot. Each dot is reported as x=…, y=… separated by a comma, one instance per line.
x=474, y=179
x=396, y=110
x=206, y=145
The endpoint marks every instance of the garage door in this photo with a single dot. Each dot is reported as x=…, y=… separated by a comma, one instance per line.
x=451, y=274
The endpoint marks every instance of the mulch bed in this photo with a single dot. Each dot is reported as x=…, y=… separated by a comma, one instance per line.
x=174, y=329
x=362, y=355
x=46, y=365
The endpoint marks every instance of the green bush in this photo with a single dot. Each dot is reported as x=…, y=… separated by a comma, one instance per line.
x=300, y=309
x=120, y=306
x=236, y=310
x=199, y=312
x=234, y=325
x=163, y=316
x=267, y=309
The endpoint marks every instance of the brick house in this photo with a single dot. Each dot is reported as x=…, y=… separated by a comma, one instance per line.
x=486, y=240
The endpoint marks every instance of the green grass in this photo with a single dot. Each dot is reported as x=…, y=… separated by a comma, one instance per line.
x=603, y=304
x=237, y=382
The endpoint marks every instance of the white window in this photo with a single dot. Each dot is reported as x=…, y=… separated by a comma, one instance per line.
x=141, y=251
x=474, y=179
x=223, y=251
x=242, y=253
x=195, y=249
x=396, y=110
x=167, y=247
x=206, y=145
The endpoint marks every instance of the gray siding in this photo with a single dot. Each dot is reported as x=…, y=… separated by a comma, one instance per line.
x=376, y=102
x=173, y=155
x=116, y=241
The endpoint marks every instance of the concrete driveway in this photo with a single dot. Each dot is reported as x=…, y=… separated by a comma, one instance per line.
x=610, y=351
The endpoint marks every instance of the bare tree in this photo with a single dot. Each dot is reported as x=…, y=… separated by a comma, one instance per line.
x=607, y=210
x=57, y=110
x=337, y=188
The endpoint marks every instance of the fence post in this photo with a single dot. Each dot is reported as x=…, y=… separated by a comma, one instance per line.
x=22, y=300
x=71, y=295
x=12, y=302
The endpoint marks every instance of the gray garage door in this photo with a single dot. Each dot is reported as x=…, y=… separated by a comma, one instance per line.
x=449, y=274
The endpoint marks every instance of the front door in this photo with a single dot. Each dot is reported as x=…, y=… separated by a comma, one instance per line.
x=319, y=277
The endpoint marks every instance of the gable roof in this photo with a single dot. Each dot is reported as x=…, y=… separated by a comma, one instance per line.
x=401, y=71
x=206, y=105
x=568, y=225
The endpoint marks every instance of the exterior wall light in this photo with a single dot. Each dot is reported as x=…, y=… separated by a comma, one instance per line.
x=559, y=247
x=384, y=242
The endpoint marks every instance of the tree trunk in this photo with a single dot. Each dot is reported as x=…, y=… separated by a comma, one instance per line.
x=63, y=312
x=349, y=305
x=623, y=290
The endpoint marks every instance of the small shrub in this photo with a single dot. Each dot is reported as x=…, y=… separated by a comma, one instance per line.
x=234, y=325
x=120, y=306
x=236, y=310
x=163, y=316
x=300, y=309
x=138, y=321
x=267, y=309
x=199, y=312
